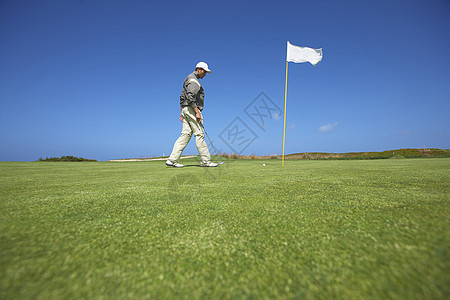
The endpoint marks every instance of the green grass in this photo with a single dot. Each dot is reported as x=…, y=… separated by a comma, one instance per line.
x=376, y=229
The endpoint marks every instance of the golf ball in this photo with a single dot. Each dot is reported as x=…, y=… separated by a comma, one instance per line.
x=264, y=165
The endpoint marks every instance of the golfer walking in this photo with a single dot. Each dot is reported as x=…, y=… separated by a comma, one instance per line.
x=191, y=103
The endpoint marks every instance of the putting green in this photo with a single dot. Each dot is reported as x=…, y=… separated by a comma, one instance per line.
x=313, y=229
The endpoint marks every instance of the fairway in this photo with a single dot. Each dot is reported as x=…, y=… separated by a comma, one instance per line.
x=375, y=229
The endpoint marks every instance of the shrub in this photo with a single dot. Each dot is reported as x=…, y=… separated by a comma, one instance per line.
x=65, y=158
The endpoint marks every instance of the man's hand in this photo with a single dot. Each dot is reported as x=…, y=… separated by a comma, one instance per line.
x=199, y=118
x=181, y=114
x=198, y=115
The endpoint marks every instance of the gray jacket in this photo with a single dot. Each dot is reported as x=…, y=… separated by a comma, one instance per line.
x=192, y=94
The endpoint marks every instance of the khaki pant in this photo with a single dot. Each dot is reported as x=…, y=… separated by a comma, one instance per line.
x=190, y=126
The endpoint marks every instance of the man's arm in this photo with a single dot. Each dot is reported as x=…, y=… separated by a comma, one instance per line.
x=192, y=89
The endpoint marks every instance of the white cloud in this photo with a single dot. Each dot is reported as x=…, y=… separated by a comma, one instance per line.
x=276, y=116
x=291, y=127
x=328, y=127
x=404, y=132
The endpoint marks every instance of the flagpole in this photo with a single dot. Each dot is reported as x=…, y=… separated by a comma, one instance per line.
x=284, y=126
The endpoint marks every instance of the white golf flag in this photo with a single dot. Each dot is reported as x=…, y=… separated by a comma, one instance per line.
x=303, y=54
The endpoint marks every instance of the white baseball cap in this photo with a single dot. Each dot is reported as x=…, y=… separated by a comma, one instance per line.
x=204, y=66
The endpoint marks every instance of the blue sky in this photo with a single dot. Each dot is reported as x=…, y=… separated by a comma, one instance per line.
x=102, y=79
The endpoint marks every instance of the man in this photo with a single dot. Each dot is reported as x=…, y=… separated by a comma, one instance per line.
x=191, y=102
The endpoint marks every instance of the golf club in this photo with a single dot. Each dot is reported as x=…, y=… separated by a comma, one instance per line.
x=220, y=162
